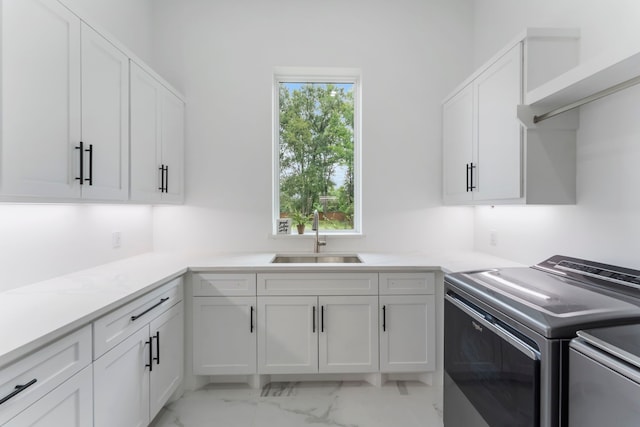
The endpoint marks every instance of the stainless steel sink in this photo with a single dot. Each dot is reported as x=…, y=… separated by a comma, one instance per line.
x=316, y=259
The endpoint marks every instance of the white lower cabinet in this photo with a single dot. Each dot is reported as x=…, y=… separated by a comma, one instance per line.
x=168, y=333
x=287, y=335
x=138, y=352
x=121, y=380
x=68, y=405
x=327, y=334
x=139, y=375
x=51, y=386
x=348, y=340
x=407, y=333
x=224, y=332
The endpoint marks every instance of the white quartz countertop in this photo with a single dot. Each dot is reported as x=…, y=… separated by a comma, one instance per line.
x=33, y=315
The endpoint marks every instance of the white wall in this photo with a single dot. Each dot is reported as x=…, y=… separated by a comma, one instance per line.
x=605, y=223
x=222, y=54
x=38, y=241
x=43, y=241
x=129, y=21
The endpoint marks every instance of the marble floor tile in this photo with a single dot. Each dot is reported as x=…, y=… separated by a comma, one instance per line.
x=296, y=404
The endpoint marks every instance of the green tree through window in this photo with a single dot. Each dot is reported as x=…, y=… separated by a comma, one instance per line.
x=316, y=151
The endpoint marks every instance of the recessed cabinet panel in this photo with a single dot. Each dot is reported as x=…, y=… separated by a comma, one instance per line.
x=220, y=284
x=121, y=380
x=44, y=370
x=348, y=339
x=498, y=91
x=69, y=405
x=146, y=156
x=105, y=119
x=224, y=330
x=457, y=130
x=168, y=348
x=407, y=333
x=318, y=284
x=172, y=146
x=287, y=335
x=40, y=98
x=407, y=283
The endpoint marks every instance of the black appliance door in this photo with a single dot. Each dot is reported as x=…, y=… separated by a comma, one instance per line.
x=496, y=368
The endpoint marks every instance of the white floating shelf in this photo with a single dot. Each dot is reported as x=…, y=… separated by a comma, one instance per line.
x=586, y=79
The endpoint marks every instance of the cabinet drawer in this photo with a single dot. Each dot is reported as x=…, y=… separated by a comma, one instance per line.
x=213, y=284
x=318, y=284
x=116, y=326
x=407, y=283
x=44, y=370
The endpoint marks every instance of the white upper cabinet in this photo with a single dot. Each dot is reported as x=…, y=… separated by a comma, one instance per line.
x=457, y=131
x=105, y=118
x=488, y=156
x=66, y=111
x=40, y=99
x=172, y=134
x=497, y=93
x=157, y=140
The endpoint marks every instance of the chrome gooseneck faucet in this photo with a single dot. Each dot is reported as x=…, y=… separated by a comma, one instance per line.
x=315, y=227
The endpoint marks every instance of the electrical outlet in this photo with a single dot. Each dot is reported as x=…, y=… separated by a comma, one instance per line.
x=493, y=238
x=116, y=239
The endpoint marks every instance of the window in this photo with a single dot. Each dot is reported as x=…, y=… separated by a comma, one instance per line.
x=316, y=150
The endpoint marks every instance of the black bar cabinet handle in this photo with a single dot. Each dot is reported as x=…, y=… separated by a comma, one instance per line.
x=161, y=169
x=384, y=318
x=251, y=320
x=90, y=151
x=313, y=319
x=468, y=187
x=166, y=179
x=81, y=177
x=472, y=187
x=322, y=318
x=137, y=316
x=150, y=364
x=157, y=337
x=17, y=390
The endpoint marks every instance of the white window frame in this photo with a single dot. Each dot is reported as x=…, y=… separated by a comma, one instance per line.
x=320, y=75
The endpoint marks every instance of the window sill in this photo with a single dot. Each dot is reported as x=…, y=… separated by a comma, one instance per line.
x=332, y=235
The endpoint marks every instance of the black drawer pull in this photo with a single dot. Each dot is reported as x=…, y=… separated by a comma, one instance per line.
x=150, y=364
x=90, y=151
x=18, y=389
x=251, y=320
x=133, y=318
x=384, y=318
x=322, y=318
x=157, y=358
x=81, y=149
x=313, y=317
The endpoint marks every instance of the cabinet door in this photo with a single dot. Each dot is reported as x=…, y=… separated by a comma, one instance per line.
x=121, y=383
x=146, y=158
x=167, y=332
x=348, y=340
x=407, y=333
x=224, y=335
x=457, y=137
x=105, y=118
x=173, y=146
x=40, y=98
x=69, y=405
x=287, y=340
x=498, y=91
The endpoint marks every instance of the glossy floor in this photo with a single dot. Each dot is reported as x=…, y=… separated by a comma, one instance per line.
x=342, y=404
